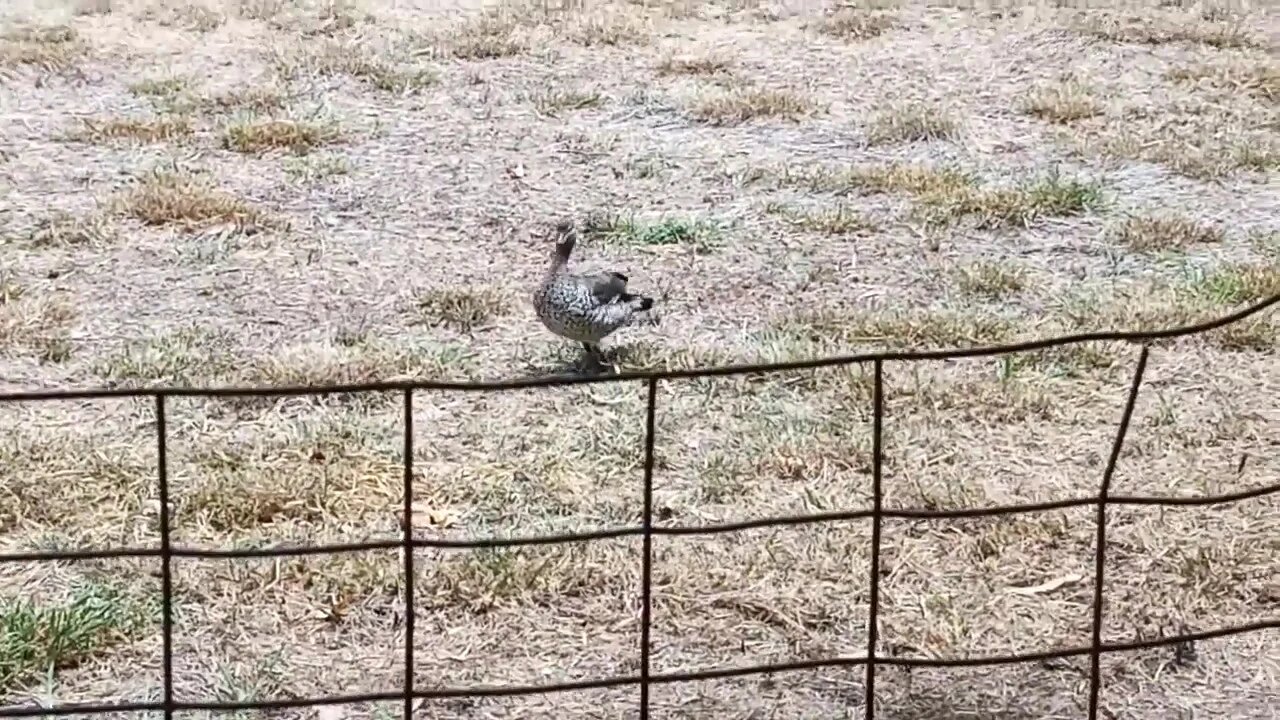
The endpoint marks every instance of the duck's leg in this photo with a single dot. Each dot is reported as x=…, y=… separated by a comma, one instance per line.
x=592, y=363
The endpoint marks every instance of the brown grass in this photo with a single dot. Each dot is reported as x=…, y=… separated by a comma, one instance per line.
x=183, y=199
x=410, y=255
x=1018, y=204
x=1160, y=30
x=737, y=106
x=62, y=229
x=991, y=280
x=705, y=64
x=298, y=137
x=912, y=122
x=150, y=130
x=1259, y=78
x=1169, y=231
x=462, y=309
x=331, y=57
x=856, y=24
x=1063, y=102
x=33, y=323
x=50, y=48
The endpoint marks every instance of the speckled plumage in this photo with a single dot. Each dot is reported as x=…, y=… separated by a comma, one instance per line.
x=584, y=307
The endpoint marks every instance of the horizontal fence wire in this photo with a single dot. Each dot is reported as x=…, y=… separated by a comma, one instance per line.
x=1140, y=336
x=409, y=694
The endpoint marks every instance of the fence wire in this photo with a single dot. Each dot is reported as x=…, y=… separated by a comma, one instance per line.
x=646, y=679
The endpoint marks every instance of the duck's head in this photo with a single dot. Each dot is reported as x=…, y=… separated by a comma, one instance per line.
x=566, y=236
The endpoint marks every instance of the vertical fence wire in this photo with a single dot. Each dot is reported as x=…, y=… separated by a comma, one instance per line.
x=877, y=501
x=407, y=549
x=646, y=568
x=166, y=554
x=1095, y=654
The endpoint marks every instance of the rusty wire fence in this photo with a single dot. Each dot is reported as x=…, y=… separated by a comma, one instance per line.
x=646, y=679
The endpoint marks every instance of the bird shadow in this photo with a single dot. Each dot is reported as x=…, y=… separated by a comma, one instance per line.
x=562, y=365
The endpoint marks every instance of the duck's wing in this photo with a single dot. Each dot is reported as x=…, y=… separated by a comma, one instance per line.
x=605, y=287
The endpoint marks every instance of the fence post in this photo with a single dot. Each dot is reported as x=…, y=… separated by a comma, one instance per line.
x=410, y=613
x=1095, y=650
x=877, y=501
x=646, y=569
x=166, y=554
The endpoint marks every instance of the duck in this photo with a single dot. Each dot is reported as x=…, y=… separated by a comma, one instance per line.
x=586, y=307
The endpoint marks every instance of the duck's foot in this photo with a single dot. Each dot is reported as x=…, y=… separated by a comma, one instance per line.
x=595, y=363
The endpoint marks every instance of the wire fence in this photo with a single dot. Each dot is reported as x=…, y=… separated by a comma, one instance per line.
x=646, y=679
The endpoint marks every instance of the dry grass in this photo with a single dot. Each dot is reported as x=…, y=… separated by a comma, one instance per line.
x=410, y=255
x=331, y=57
x=856, y=24
x=49, y=48
x=701, y=234
x=1169, y=231
x=839, y=219
x=888, y=178
x=991, y=280
x=709, y=64
x=1163, y=29
x=262, y=135
x=1258, y=78
x=485, y=38
x=187, y=200
x=462, y=309
x=913, y=122
x=1019, y=204
x=34, y=324
x=62, y=229
x=741, y=105
x=253, y=99
x=150, y=130
x=1063, y=102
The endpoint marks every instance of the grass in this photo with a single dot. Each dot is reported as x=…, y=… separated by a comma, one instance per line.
x=485, y=38
x=331, y=58
x=62, y=229
x=708, y=64
x=406, y=251
x=37, y=639
x=1162, y=30
x=1259, y=79
x=1062, y=102
x=855, y=24
x=50, y=48
x=1165, y=231
x=189, y=201
x=1019, y=204
x=160, y=87
x=913, y=122
x=839, y=219
x=898, y=329
x=460, y=308
x=991, y=280
x=149, y=130
x=555, y=102
x=261, y=99
x=1200, y=294
x=33, y=324
x=700, y=234
x=885, y=178
x=737, y=106
x=262, y=135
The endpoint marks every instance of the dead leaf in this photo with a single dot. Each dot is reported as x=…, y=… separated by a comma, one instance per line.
x=424, y=516
x=1047, y=586
x=330, y=712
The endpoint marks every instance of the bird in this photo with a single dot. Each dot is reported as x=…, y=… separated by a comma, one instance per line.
x=585, y=307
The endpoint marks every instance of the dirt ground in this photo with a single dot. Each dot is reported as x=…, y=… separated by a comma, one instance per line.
x=276, y=191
